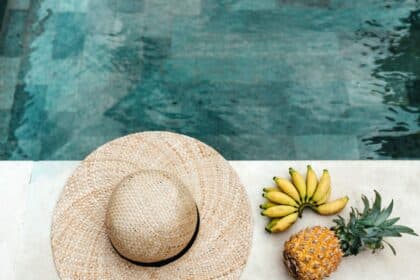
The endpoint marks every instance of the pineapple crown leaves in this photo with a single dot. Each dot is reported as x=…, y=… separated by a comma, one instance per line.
x=367, y=229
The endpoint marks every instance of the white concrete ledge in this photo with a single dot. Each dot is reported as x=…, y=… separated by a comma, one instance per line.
x=29, y=191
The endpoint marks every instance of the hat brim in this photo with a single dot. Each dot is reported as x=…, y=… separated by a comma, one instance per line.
x=80, y=245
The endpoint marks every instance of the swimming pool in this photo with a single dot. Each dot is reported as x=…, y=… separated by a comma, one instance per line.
x=265, y=79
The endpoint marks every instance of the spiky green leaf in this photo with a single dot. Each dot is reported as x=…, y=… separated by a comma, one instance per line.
x=367, y=229
x=366, y=205
x=403, y=229
x=391, y=247
x=390, y=222
x=391, y=233
x=384, y=214
x=376, y=208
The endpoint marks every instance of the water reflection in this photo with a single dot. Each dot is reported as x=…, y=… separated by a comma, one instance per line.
x=401, y=72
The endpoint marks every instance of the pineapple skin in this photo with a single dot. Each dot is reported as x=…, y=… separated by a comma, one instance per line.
x=312, y=253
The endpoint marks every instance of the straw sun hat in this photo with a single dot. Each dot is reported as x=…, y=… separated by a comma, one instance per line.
x=152, y=205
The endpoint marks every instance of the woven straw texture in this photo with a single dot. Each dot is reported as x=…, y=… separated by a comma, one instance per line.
x=79, y=240
x=151, y=216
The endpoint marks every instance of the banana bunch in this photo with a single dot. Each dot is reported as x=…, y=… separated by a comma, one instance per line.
x=286, y=202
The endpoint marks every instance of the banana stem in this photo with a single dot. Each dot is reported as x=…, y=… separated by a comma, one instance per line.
x=303, y=206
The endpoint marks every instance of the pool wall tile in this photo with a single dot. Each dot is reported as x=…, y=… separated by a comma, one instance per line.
x=4, y=125
x=18, y=4
x=56, y=73
x=155, y=50
x=128, y=59
x=69, y=35
x=102, y=21
x=151, y=23
x=201, y=43
x=55, y=135
x=83, y=146
x=174, y=7
x=277, y=146
x=79, y=6
x=28, y=120
x=26, y=150
x=9, y=68
x=96, y=95
x=11, y=39
x=326, y=147
x=225, y=69
x=254, y=5
x=125, y=6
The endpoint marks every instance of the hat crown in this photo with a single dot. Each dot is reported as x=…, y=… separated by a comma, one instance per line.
x=151, y=216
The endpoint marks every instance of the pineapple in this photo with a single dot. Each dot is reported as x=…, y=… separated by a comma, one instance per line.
x=314, y=253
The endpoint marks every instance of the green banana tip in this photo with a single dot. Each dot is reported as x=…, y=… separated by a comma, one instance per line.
x=274, y=178
x=267, y=230
x=309, y=166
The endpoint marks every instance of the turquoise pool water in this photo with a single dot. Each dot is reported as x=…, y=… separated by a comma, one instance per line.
x=266, y=79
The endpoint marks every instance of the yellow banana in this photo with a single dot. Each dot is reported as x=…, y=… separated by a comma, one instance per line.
x=279, y=225
x=287, y=187
x=280, y=198
x=271, y=224
x=279, y=211
x=299, y=183
x=325, y=198
x=311, y=182
x=323, y=185
x=332, y=207
x=267, y=205
x=271, y=189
